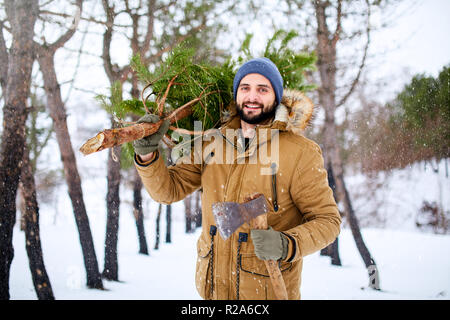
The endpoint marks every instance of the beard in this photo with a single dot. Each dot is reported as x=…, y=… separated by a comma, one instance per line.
x=259, y=118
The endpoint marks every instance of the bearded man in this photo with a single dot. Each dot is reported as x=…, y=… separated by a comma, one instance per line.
x=303, y=216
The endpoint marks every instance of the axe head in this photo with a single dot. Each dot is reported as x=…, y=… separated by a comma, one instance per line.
x=230, y=216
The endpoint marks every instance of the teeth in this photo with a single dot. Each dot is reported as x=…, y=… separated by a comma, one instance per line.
x=252, y=106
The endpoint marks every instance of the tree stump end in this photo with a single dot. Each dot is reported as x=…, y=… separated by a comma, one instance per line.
x=93, y=145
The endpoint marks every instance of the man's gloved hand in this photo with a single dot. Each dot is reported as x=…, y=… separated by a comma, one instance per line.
x=150, y=143
x=270, y=244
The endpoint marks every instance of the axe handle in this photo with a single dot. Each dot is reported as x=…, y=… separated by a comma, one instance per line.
x=279, y=287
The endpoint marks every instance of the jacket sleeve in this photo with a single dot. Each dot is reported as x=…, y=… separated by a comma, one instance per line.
x=314, y=198
x=169, y=184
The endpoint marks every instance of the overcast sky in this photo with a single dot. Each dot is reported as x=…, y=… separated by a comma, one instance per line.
x=416, y=40
x=420, y=39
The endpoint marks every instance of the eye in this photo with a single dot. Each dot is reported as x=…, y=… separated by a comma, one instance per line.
x=243, y=88
x=263, y=90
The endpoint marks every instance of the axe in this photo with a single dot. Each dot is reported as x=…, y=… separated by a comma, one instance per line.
x=230, y=216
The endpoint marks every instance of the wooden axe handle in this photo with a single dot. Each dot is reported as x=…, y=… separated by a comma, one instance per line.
x=279, y=287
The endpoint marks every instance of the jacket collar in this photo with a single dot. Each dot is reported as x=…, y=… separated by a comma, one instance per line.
x=294, y=114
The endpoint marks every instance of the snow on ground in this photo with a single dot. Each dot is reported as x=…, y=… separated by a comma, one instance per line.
x=397, y=196
x=412, y=264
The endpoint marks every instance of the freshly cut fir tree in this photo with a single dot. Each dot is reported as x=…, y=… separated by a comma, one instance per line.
x=183, y=90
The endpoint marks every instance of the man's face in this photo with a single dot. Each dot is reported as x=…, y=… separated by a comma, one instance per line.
x=255, y=99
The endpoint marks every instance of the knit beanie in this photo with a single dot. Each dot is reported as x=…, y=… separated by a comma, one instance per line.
x=264, y=67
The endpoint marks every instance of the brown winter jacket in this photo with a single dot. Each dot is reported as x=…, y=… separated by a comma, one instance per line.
x=295, y=185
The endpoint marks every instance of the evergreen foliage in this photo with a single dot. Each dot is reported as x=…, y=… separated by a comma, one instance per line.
x=423, y=107
x=180, y=78
x=291, y=64
x=185, y=81
x=414, y=127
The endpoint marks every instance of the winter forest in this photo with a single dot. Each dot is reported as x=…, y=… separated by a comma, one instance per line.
x=77, y=226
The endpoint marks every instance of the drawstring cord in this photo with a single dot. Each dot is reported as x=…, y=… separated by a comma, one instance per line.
x=243, y=237
x=212, y=232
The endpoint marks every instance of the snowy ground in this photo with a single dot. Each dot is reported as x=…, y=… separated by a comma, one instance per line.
x=412, y=265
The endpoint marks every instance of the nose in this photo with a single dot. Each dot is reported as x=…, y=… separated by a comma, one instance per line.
x=253, y=95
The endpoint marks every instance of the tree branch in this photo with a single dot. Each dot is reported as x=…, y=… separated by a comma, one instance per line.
x=88, y=19
x=80, y=52
x=113, y=72
x=107, y=38
x=165, y=7
x=70, y=32
x=177, y=41
x=150, y=25
x=363, y=60
x=338, y=30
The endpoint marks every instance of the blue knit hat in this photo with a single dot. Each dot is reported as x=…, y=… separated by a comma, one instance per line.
x=262, y=66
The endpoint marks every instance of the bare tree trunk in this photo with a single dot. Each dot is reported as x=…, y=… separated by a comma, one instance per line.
x=39, y=275
x=326, y=51
x=362, y=248
x=137, y=188
x=158, y=219
x=58, y=114
x=138, y=214
x=188, y=213
x=22, y=16
x=198, y=210
x=168, y=223
x=332, y=250
x=111, y=266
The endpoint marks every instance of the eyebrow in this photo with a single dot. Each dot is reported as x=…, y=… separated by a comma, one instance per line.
x=259, y=85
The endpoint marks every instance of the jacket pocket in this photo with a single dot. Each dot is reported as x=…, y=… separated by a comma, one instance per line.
x=252, y=264
x=255, y=280
x=203, y=269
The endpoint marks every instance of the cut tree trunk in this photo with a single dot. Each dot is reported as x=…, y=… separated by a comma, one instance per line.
x=138, y=213
x=111, y=266
x=114, y=137
x=327, y=66
x=30, y=216
x=22, y=16
x=58, y=114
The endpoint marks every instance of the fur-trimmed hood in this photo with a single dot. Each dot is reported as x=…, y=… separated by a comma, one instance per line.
x=294, y=113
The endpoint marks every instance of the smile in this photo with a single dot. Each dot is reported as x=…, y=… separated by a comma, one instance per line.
x=252, y=107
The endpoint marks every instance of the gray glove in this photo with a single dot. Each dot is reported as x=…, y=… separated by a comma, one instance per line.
x=270, y=244
x=150, y=143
